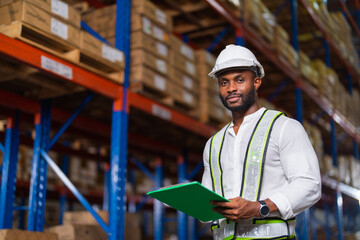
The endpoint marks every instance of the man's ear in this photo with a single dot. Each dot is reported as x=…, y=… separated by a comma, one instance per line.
x=257, y=83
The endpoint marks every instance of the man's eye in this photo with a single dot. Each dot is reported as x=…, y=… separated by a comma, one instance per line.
x=223, y=83
x=240, y=80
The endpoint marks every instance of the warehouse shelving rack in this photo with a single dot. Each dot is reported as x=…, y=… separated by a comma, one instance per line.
x=304, y=85
x=55, y=66
x=122, y=99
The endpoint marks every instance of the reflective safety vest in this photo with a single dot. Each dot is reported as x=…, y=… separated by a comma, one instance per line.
x=253, y=168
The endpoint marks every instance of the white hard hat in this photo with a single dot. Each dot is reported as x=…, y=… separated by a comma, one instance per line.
x=234, y=56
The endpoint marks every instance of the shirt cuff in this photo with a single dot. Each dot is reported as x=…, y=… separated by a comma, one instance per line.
x=283, y=204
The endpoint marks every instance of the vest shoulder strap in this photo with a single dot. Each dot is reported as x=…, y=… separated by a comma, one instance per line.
x=256, y=152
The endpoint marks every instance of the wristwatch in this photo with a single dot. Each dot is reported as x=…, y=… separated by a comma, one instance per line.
x=264, y=209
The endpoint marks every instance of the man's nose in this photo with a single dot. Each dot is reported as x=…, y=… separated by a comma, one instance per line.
x=232, y=87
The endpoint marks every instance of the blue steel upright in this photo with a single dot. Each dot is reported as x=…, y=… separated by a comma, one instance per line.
x=158, y=206
x=65, y=169
x=304, y=224
x=8, y=175
x=182, y=217
x=37, y=195
x=119, y=129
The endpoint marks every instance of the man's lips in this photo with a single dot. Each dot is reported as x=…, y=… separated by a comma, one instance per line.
x=233, y=97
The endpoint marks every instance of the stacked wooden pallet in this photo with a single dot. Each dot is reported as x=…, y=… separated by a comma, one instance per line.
x=55, y=28
x=211, y=110
x=162, y=66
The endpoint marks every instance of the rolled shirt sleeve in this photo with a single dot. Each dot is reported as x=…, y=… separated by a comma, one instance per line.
x=301, y=168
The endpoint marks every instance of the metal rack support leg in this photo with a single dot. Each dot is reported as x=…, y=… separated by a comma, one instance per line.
x=158, y=206
x=339, y=215
x=37, y=193
x=8, y=175
x=118, y=162
x=65, y=169
x=182, y=217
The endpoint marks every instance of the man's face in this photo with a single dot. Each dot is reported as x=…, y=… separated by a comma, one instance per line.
x=237, y=89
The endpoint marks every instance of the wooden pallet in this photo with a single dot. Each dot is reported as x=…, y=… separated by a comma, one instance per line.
x=40, y=39
x=63, y=49
x=163, y=97
x=100, y=66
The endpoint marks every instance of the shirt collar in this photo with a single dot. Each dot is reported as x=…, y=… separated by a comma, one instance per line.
x=250, y=117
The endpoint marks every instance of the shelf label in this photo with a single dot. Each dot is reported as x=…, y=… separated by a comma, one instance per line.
x=60, y=8
x=159, y=33
x=161, y=112
x=190, y=68
x=112, y=54
x=59, y=28
x=162, y=49
x=160, y=82
x=188, y=97
x=160, y=16
x=56, y=67
x=187, y=51
x=161, y=66
x=146, y=25
x=188, y=82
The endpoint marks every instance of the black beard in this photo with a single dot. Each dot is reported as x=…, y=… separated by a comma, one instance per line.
x=247, y=101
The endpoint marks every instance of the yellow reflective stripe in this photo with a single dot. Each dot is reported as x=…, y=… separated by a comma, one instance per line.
x=245, y=238
x=211, y=162
x=268, y=221
x=247, y=157
x=218, y=159
x=262, y=152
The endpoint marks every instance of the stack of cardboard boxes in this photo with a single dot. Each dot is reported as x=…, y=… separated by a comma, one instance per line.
x=54, y=26
x=283, y=47
x=82, y=225
x=260, y=18
x=183, y=73
x=52, y=20
x=211, y=110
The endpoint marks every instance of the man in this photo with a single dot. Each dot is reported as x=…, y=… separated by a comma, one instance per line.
x=262, y=161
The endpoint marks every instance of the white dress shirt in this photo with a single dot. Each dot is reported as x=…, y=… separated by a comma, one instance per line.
x=291, y=177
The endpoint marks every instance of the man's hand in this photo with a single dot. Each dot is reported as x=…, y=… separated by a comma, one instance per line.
x=238, y=209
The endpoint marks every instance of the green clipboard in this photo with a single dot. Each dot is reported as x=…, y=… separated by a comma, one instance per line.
x=190, y=198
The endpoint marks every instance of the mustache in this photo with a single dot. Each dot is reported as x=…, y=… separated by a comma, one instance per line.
x=233, y=95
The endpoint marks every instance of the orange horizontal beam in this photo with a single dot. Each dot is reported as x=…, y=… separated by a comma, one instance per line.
x=169, y=114
x=32, y=56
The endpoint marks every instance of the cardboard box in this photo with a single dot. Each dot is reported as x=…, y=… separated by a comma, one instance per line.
x=183, y=64
x=102, y=19
x=34, y=16
x=141, y=57
x=83, y=218
x=203, y=56
x=178, y=46
x=140, y=40
x=15, y=234
x=77, y=232
x=184, y=80
x=57, y=8
x=181, y=95
x=93, y=45
x=143, y=74
x=149, y=9
x=143, y=23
